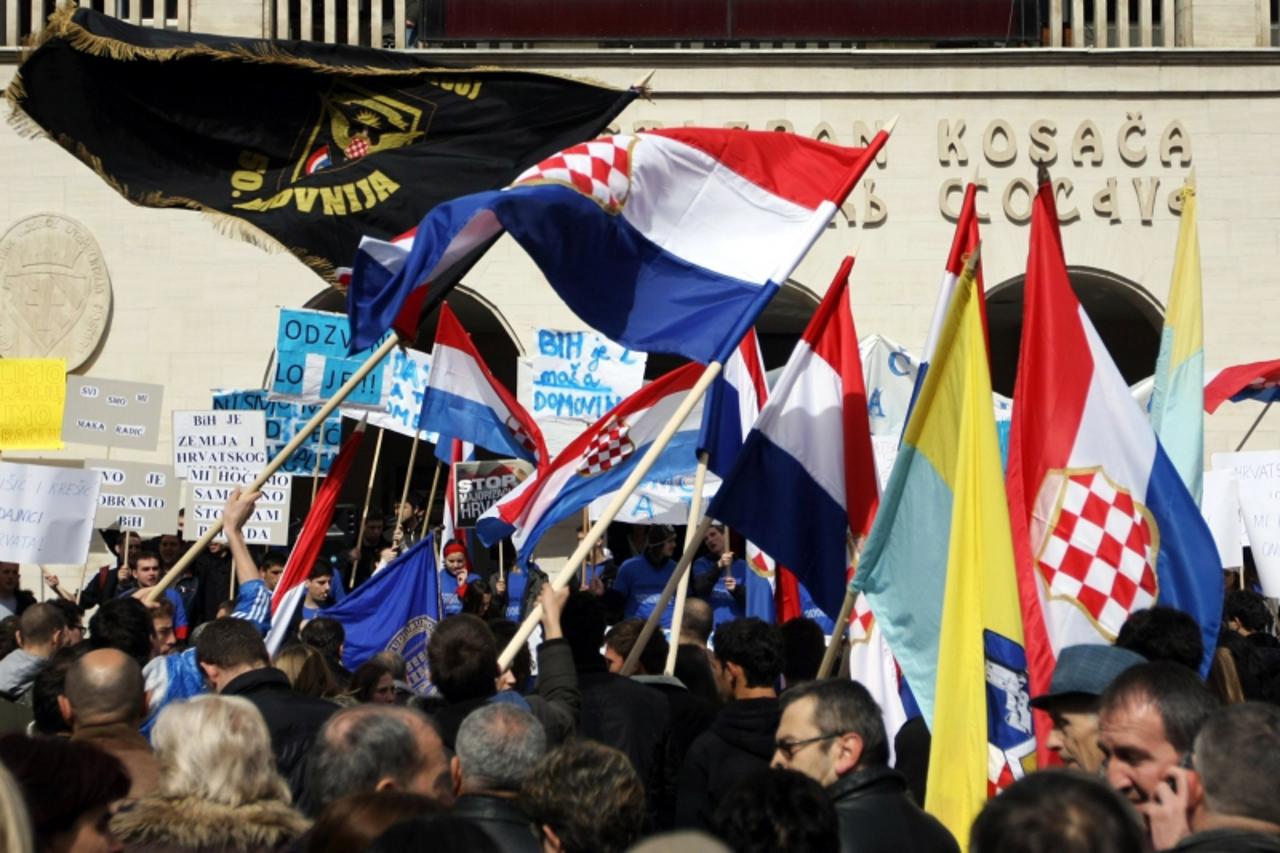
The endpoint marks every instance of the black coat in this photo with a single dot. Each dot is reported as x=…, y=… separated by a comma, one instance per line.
x=625, y=715
x=739, y=743
x=877, y=815
x=501, y=819
x=1229, y=841
x=690, y=716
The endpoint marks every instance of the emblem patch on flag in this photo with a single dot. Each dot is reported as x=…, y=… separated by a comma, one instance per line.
x=608, y=448
x=520, y=434
x=600, y=169
x=1011, y=745
x=1100, y=548
x=863, y=619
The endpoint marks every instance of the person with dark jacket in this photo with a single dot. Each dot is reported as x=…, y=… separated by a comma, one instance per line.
x=498, y=746
x=234, y=660
x=13, y=601
x=833, y=732
x=748, y=660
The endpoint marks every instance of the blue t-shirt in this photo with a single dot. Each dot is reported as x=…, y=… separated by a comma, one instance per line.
x=724, y=606
x=451, y=603
x=642, y=585
x=516, y=582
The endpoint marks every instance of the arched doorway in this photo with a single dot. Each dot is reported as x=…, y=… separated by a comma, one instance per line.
x=1128, y=319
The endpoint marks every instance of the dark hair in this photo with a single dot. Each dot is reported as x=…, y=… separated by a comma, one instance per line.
x=448, y=834
x=590, y=796
x=1181, y=699
x=322, y=569
x=61, y=780
x=1249, y=609
x=1058, y=811
x=473, y=598
x=70, y=610
x=8, y=635
x=522, y=665
x=124, y=624
x=1238, y=757
x=463, y=657
x=49, y=684
x=39, y=622
x=326, y=635
x=163, y=607
x=775, y=809
x=365, y=680
x=693, y=668
x=803, y=645
x=146, y=552
x=697, y=620
x=1163, y=633
x=354, y=821
x=841, y=706
x=274, y=558
x=227, y=643
x=622, y=639
x=754, y=645
x=582, y=620
x=229, y=605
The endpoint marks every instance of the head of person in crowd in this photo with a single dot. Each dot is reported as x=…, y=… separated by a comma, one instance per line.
x=135, y=544
x=697, y=623
x=227, y=649
x=74, y=616
x=225, y=609
x=10, y=579
x=1237, y=758
x=377, y=748
x=521, y=670
x=327, y=636
x=124, y=624
x=659, y=544
x=146, y=568
x=169, y=547
x=307, y=672
x=1080, y=676
x=103, y=687
x=69, y=787
x=456, y=561
x=803, y=645
x=584, y=797
x=319, y=585
x=163, y=638
x=374, y=526
x=1163, y=634
x=448, y=834
x=693, y=668
x=273, y=569
x=46, y=712
x=8, y=635
x=373, y=682
x=463, y=657
x=355, y=821
x=42, y=630
x=497, y=747
x=1245, y=612
x=1148, y=719
x=1058, y=811
x=621, y=639
x=777, y=809
x=583, y=623
x=829, y=729
x=748, y=658
x=478, y=599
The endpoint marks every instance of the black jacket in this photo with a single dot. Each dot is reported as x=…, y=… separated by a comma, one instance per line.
x=877, y=815
x=1229, y=841
x=501, y=819
x=690, y=715
x=739, y=743
x=625, y=715
x=292, y=718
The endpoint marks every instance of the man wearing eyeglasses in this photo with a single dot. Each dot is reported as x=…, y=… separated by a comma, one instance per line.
x=832, y=731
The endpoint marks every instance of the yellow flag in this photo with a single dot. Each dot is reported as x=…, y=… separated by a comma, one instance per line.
x=33, y=392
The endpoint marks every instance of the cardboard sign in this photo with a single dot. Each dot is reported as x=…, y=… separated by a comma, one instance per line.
x=575, y=378
x=479, y=485
x=665, y=501
x=312, y=362
x=46, y=513
x=1257, y=475
x=205, y=493
x=405, y=383
x=32, y=392
x=136, y=496
x=112, y=413
x=283, y=420
x=218, y=438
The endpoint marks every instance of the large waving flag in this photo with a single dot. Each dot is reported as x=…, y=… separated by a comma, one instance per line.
x=464, y=400
x=1258, y=380
x=805, y=478
x=598, y=462
x=733, y=403
x=671, y=241
x=1177, y=404
x=1102, y=523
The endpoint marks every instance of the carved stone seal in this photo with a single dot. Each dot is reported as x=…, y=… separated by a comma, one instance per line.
x=55, y=295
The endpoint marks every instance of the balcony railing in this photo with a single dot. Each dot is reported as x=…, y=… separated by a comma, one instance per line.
x=22, y=18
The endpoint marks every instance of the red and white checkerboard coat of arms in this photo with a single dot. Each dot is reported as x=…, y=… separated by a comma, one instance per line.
x=599, y=169
x=609, y=447
x=521, y=435
x=1099, y=550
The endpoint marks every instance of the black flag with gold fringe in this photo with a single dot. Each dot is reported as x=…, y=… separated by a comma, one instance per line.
x=308, y=146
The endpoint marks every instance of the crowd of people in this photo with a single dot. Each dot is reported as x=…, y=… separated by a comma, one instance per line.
x=168, y=726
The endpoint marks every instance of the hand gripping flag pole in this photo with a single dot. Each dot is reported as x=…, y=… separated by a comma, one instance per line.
x=299, y=436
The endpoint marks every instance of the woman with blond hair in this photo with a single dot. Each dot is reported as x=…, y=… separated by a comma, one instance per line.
x=219, y=789
x=307, y=672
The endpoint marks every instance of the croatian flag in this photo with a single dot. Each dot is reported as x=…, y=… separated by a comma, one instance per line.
x=450, y=450
x=598, y=462
x=733, y=403
x=670, y=241
x=1102, y=523
x=465, y=401
x=1258, y=380
x=806, y=475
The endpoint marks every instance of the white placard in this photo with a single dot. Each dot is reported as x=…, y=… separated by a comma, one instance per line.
x=219, y=438
x=404, y=382
x=46, y=513
x=136, y=496
x=1257, y=475
x=206, y=490
x=659, y=501
x=1220, y=507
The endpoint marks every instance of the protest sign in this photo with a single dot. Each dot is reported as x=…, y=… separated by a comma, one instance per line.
x=206, y=490
x=664, y=501
x=112, y=413
x=889, y=372
x=32, y=393
x=46, y=512
x=1220, y=507
x=1257, y=475
x=282, y=422
x=404, y=384
x=312, y=362
x=227, y=439
x=136, y=496
x=573, y=379
x=480, y=485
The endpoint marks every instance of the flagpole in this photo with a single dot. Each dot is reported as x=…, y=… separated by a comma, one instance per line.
x=368, y=495
x=570, y=568
x=586, y=526
x=682, y=588
x=431, y=500
x=315, y=471
x=651, y=624
x=841, y=628
x=404, y=493
x=1256, y=421
x=299, y=437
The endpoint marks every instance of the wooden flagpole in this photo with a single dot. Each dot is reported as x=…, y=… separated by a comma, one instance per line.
x=682, y=587
x=651, y=624
x=404, y=493
x=299, y=438
x=431, y=500
x=586, y=563
x=368, y=495
x=315, y=471
x=840, y=630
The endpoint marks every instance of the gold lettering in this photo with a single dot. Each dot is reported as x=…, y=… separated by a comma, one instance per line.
x=353, y=203
x=369, y=199
x=383, y=186
x=305, y=198
x=334, y=203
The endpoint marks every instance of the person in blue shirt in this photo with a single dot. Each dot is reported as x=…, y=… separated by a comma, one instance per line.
x=319, y=593
x=641, y=579
x=719, y=578
x=146, y=574
x=454, y=577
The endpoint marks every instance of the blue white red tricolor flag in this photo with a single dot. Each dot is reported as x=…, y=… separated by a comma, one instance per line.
x=671, y=240
x=1259, y=380
x=1102, y=523
x=449, y=451
x=598, y=462
x=806, y=476
x=464, y=400
x=733, y=403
